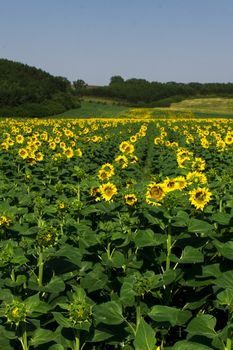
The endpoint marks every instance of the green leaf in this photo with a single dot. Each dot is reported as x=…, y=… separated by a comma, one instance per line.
x=148, y=238
x=109, y=313
x=181, y=219
x=145, y=337
x=56, y=285
x=174, y=316
x=188, y=345
x=101, y=335
x=202, y=325
x=118, y=259
x=42, y=336
x=155, y=221
x=61, y=320
x=94, y=280
x=127, y=294
x=225, y=280
x=225, y=249
x=199, y=226
x=226, y=297
x=222, y=218
x=56, y=347
x=191, y=255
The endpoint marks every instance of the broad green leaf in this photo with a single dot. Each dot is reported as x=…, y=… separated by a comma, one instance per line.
x=225, y=280
x=42, y=336
x=94, y=280
x=145, y=337
x=174, y=316
x=61, y=320
x=148, y=238
x=55, y=285
x=109, y=313
x=127, y=294
x=226, y=297
x=181, y=219
x=222, y=218
x=191, y=255
x=225, y=249
x=202, y=325
x=189, y=345
x=199, y=226
x=101, y=335
x=56, y=347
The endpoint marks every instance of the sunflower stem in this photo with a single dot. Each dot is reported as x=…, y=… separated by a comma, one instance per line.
x=229, y=332
x=78, y=197
x=169, y=247
x=220, y=205
x=77, y=340
x=23, y=339
x=138, y=314
x=41, y=268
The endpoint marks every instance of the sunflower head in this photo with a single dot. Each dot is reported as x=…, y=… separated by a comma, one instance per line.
x=155, y=193
x=199, y=197
x=107, y=191
x=130, y=199
x=16, y=312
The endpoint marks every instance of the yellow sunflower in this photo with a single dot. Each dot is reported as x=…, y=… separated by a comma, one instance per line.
x=155, y=192
x=199, y=197
x=19, y=139
x=196, y=177
x=130, y=199
x=107, y=191
x=68, y=152
x=170, y=185
x=122, y=160
x=198, y=164
x=23, y=153
x=126, y=147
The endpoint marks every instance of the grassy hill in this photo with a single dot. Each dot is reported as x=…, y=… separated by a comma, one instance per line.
x=221, y=106
x=107, y=108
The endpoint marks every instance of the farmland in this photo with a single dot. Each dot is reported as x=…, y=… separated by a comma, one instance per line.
x=116, y=233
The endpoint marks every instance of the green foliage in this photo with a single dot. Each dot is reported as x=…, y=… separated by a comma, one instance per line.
x=79, y=272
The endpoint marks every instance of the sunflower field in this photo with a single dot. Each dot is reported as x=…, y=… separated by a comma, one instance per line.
x=116, y=234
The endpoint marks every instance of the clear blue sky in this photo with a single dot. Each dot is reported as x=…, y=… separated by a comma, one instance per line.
x=158, y=40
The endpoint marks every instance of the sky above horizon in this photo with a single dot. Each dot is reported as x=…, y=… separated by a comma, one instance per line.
x=93, y=40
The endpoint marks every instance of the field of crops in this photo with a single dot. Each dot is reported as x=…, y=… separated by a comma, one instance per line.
x=116, y=234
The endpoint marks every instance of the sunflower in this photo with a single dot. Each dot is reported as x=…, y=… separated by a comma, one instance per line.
x=19, y=139
x=78, y=152
x=170, y=185
x=122, y=160
x=130, y=199
x=68, y=152
x=107, y=191
x=39, y=156
x=196, y=177
x=228, y=139
x=108, y=168
x=198, y=164
x=155, y=192
x=199, y=197
x=126, y=147
x=180, y=182
x=103, y=175
x=23, y=153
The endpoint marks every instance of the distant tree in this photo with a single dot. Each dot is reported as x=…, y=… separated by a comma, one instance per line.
x=116, y=79
x=79, y=84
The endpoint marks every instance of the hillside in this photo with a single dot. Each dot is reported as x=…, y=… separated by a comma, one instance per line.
x=29, y=91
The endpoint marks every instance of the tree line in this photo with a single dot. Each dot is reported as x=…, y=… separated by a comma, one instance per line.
x=140, y=92
x=31, y=92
